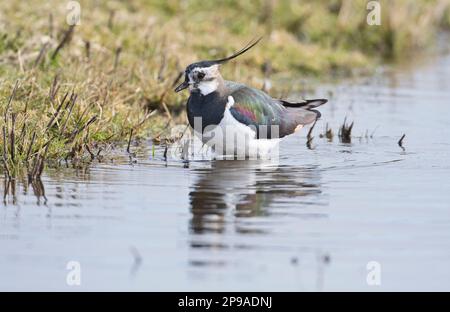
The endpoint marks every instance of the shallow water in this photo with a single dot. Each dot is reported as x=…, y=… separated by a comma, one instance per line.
x=312, y=222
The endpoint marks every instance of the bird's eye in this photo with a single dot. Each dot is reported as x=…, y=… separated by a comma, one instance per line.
x=200, y=75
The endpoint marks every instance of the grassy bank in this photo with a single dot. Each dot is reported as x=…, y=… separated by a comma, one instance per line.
x=67, y=92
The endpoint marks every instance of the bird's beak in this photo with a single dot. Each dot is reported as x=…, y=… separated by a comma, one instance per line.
x=182, y=86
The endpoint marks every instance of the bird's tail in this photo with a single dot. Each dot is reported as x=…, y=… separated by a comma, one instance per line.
x=308, y=105
x=305, y=104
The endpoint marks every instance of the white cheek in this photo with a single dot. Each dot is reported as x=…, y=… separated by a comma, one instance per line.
x=207, y=87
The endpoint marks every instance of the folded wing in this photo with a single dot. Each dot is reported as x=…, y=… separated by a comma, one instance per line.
x=258, y=110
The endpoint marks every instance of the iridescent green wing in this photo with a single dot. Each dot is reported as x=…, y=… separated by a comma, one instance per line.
x=253, y=107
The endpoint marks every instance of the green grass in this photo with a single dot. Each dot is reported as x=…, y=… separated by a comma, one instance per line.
x=124, y=58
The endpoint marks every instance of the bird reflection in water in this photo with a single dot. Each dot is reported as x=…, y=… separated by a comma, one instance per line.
x=234, y=190
x=247, y=197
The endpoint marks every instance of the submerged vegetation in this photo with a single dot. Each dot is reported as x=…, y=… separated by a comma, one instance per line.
x=67, y=92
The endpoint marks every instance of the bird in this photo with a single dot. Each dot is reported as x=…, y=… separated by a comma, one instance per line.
x=238, y=120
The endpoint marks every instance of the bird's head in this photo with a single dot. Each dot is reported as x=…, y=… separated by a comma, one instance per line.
x=204, y=76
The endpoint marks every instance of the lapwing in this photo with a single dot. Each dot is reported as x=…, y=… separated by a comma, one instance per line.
x=236, y=119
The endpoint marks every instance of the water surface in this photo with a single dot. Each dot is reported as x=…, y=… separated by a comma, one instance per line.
x=312, y=222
